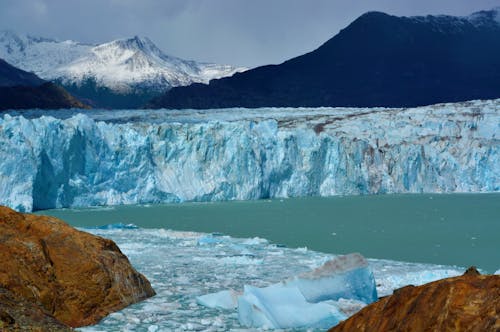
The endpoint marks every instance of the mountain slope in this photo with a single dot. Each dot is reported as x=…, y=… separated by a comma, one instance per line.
x=20, y=90
x=378, y=60
x=121, y=73
x=12, y=76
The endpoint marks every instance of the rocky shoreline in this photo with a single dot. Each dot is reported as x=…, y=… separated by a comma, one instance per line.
x=470, y=302
x=54, y=277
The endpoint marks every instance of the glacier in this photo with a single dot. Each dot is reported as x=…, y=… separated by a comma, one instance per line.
x=59, y=159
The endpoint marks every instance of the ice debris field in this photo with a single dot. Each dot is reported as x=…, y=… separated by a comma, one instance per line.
x=72, y=159
x=213, y=282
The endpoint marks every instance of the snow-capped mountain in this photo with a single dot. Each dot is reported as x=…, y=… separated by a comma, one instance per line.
x=124, y=64
x=121, y=67
x=39, y=55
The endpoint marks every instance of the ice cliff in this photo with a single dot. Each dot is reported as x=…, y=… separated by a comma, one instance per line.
x=125, y=157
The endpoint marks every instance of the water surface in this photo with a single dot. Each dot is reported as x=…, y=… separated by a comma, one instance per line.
x=450, y=229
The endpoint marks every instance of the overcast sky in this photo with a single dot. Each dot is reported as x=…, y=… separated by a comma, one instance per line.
x=238, y=32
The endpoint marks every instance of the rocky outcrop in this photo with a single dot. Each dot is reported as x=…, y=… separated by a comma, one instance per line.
x=467, y=303
x=76, y=277
x=19, y=315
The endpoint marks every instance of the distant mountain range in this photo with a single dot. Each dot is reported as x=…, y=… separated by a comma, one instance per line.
x=20, y=90
x=120, y=74
x=378, y=60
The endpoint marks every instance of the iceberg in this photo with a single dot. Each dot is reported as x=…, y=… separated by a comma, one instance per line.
x=310, y=300
x=226, y=299
x=280, y=307
x=345, y=276
x=101, y=158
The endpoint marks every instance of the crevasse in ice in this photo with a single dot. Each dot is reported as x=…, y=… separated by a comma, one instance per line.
x=68, y=159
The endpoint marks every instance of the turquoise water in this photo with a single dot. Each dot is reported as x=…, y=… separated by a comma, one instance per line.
x=451, y=229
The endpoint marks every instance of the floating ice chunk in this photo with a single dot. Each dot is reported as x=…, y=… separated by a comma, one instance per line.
x=211, y=239
x=226, y=299
x=345, y=276
x=254, y=241
x=300, y=301
x=281, y=306
x=117, y=226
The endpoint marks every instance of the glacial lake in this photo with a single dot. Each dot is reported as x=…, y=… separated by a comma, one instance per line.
x=449, y=229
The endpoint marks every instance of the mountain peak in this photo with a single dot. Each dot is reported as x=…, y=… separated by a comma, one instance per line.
x=10, y=36
x=136, y=42
x=482, y=18
x=485, y=17
x=378, y=60
x=123, y=66
x=121, y=48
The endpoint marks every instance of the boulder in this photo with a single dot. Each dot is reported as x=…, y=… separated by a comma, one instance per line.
x=466, y=303
x=19, y=315
x=76, y=277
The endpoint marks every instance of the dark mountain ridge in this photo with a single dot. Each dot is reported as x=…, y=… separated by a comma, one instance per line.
x=378, y=60
x=12, y=76
x=22, y=90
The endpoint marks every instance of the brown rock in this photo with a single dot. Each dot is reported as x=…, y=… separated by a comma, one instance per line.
x=467, y=303
x=74, y=276
x=19, y=315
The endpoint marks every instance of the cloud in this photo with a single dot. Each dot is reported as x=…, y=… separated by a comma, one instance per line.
x=242, y=32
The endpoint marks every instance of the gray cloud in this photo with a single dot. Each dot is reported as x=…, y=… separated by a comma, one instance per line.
x=241, y=32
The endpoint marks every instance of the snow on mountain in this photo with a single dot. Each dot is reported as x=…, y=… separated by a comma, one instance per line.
x=39, y=55
x=148, y=156
x=485, y=17
x=478, y=19
x=121, y=65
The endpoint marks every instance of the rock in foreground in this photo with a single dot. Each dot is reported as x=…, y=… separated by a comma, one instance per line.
x=76, y=277
x=467, y=303
x=20, y=315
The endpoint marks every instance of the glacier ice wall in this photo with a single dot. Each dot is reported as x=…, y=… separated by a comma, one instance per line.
x=49, y=162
